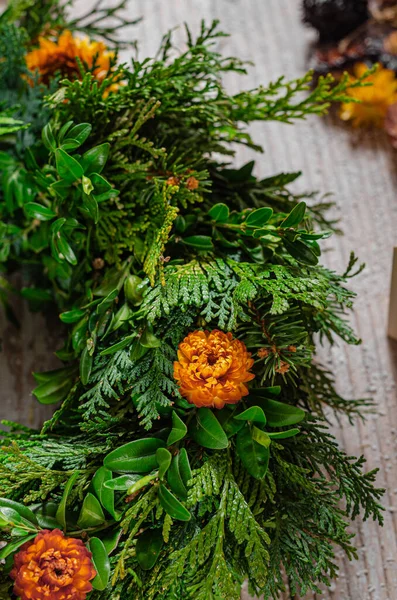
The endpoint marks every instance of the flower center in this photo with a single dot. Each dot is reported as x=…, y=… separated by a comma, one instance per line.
x=56, y=569
x=212, y=358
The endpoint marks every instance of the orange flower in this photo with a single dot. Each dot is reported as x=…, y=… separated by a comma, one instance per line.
x=60, y=57
x=374, y=99
x=212, y=368
x=53, y=567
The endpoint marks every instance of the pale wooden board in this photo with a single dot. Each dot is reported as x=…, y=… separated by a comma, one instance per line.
x=360, y=168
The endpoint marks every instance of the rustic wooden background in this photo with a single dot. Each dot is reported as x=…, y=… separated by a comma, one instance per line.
x=360, y=168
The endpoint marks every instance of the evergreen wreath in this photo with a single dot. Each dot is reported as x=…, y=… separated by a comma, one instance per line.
x=190, y=449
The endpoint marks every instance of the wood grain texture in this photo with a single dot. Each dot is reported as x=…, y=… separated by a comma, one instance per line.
x=361, y=169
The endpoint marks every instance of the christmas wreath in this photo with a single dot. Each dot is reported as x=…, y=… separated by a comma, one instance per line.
x=189, y=449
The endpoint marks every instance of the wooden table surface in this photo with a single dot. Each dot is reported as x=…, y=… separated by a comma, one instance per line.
x=360, y=169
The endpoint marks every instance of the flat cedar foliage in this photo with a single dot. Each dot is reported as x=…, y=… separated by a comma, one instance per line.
x=125, y=212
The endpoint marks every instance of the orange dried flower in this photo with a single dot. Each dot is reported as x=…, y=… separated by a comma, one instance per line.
x=61, y=56
x=173, y=180
x=212, y=368
x=374, y=99
x=53, y=567
x=192, y=183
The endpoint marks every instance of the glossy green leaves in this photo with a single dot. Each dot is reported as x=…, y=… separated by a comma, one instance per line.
x=207, y=431
x=135, y=457
x=172, y=506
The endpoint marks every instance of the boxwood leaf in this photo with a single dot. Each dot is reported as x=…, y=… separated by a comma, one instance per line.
x=172, y=506
x=122, y=483
x=104, y=494
x=207, y=431
x=200, y=242
x=91, y=513
x=280, y=414
x=178, y=431
x=68, y=168
x=254, y=413
x=100, y=559
x=95, y=159
x=148, y=548
x=86, y=361
x=254, y=456
x=21, y=509
x=164, y=458
x=301, y=252
x=282, y=435
x=61, y=512
x=13, y=546
x=296, y=215
x=138, y=456
x=34, y=210
x=174, y=479
x=258, y=217
x=79, y=133
x=184, y=467
x=219, y=213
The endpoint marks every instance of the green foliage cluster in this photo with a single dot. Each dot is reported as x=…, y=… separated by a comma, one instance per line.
x=115, y=205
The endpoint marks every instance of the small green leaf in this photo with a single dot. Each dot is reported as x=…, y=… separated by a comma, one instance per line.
x=174, y=479
x=184, y=467
x=48, y=138
x=138, y=456
x=100, y=559
x=21, y=509
x=254, y=413
x=280, y=414
x=229, y=424
x=13, y=546
x=258, y=217
x=72, y=316
x=178, y=431
x=207, y=431
x=122, y=483
x=111, y=540
x=148, y=548
x=94, y=160
x=87, y=185
x=254, y=456
x=104, y=494
x=219, y=213
x=149, y=340
x=78, y=133
x=33, y=210
x=65, y=251
x=91, y=514
x=301, y=252
x=68, y=168
x=119, y=346
x=86, y=362
x=200, y=242
x=61, y=512
x=45, y=514
x=91, y=206
x=262, y=437
x=283, y=435
x=133, y=290
x=172, y=506
x=296, y=215
x=163, y=457
x=55, y=385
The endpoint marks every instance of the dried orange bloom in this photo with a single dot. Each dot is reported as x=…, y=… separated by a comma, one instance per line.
x=374, y=99
x=212, y=368
x=60, y=57
x=53, y=567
